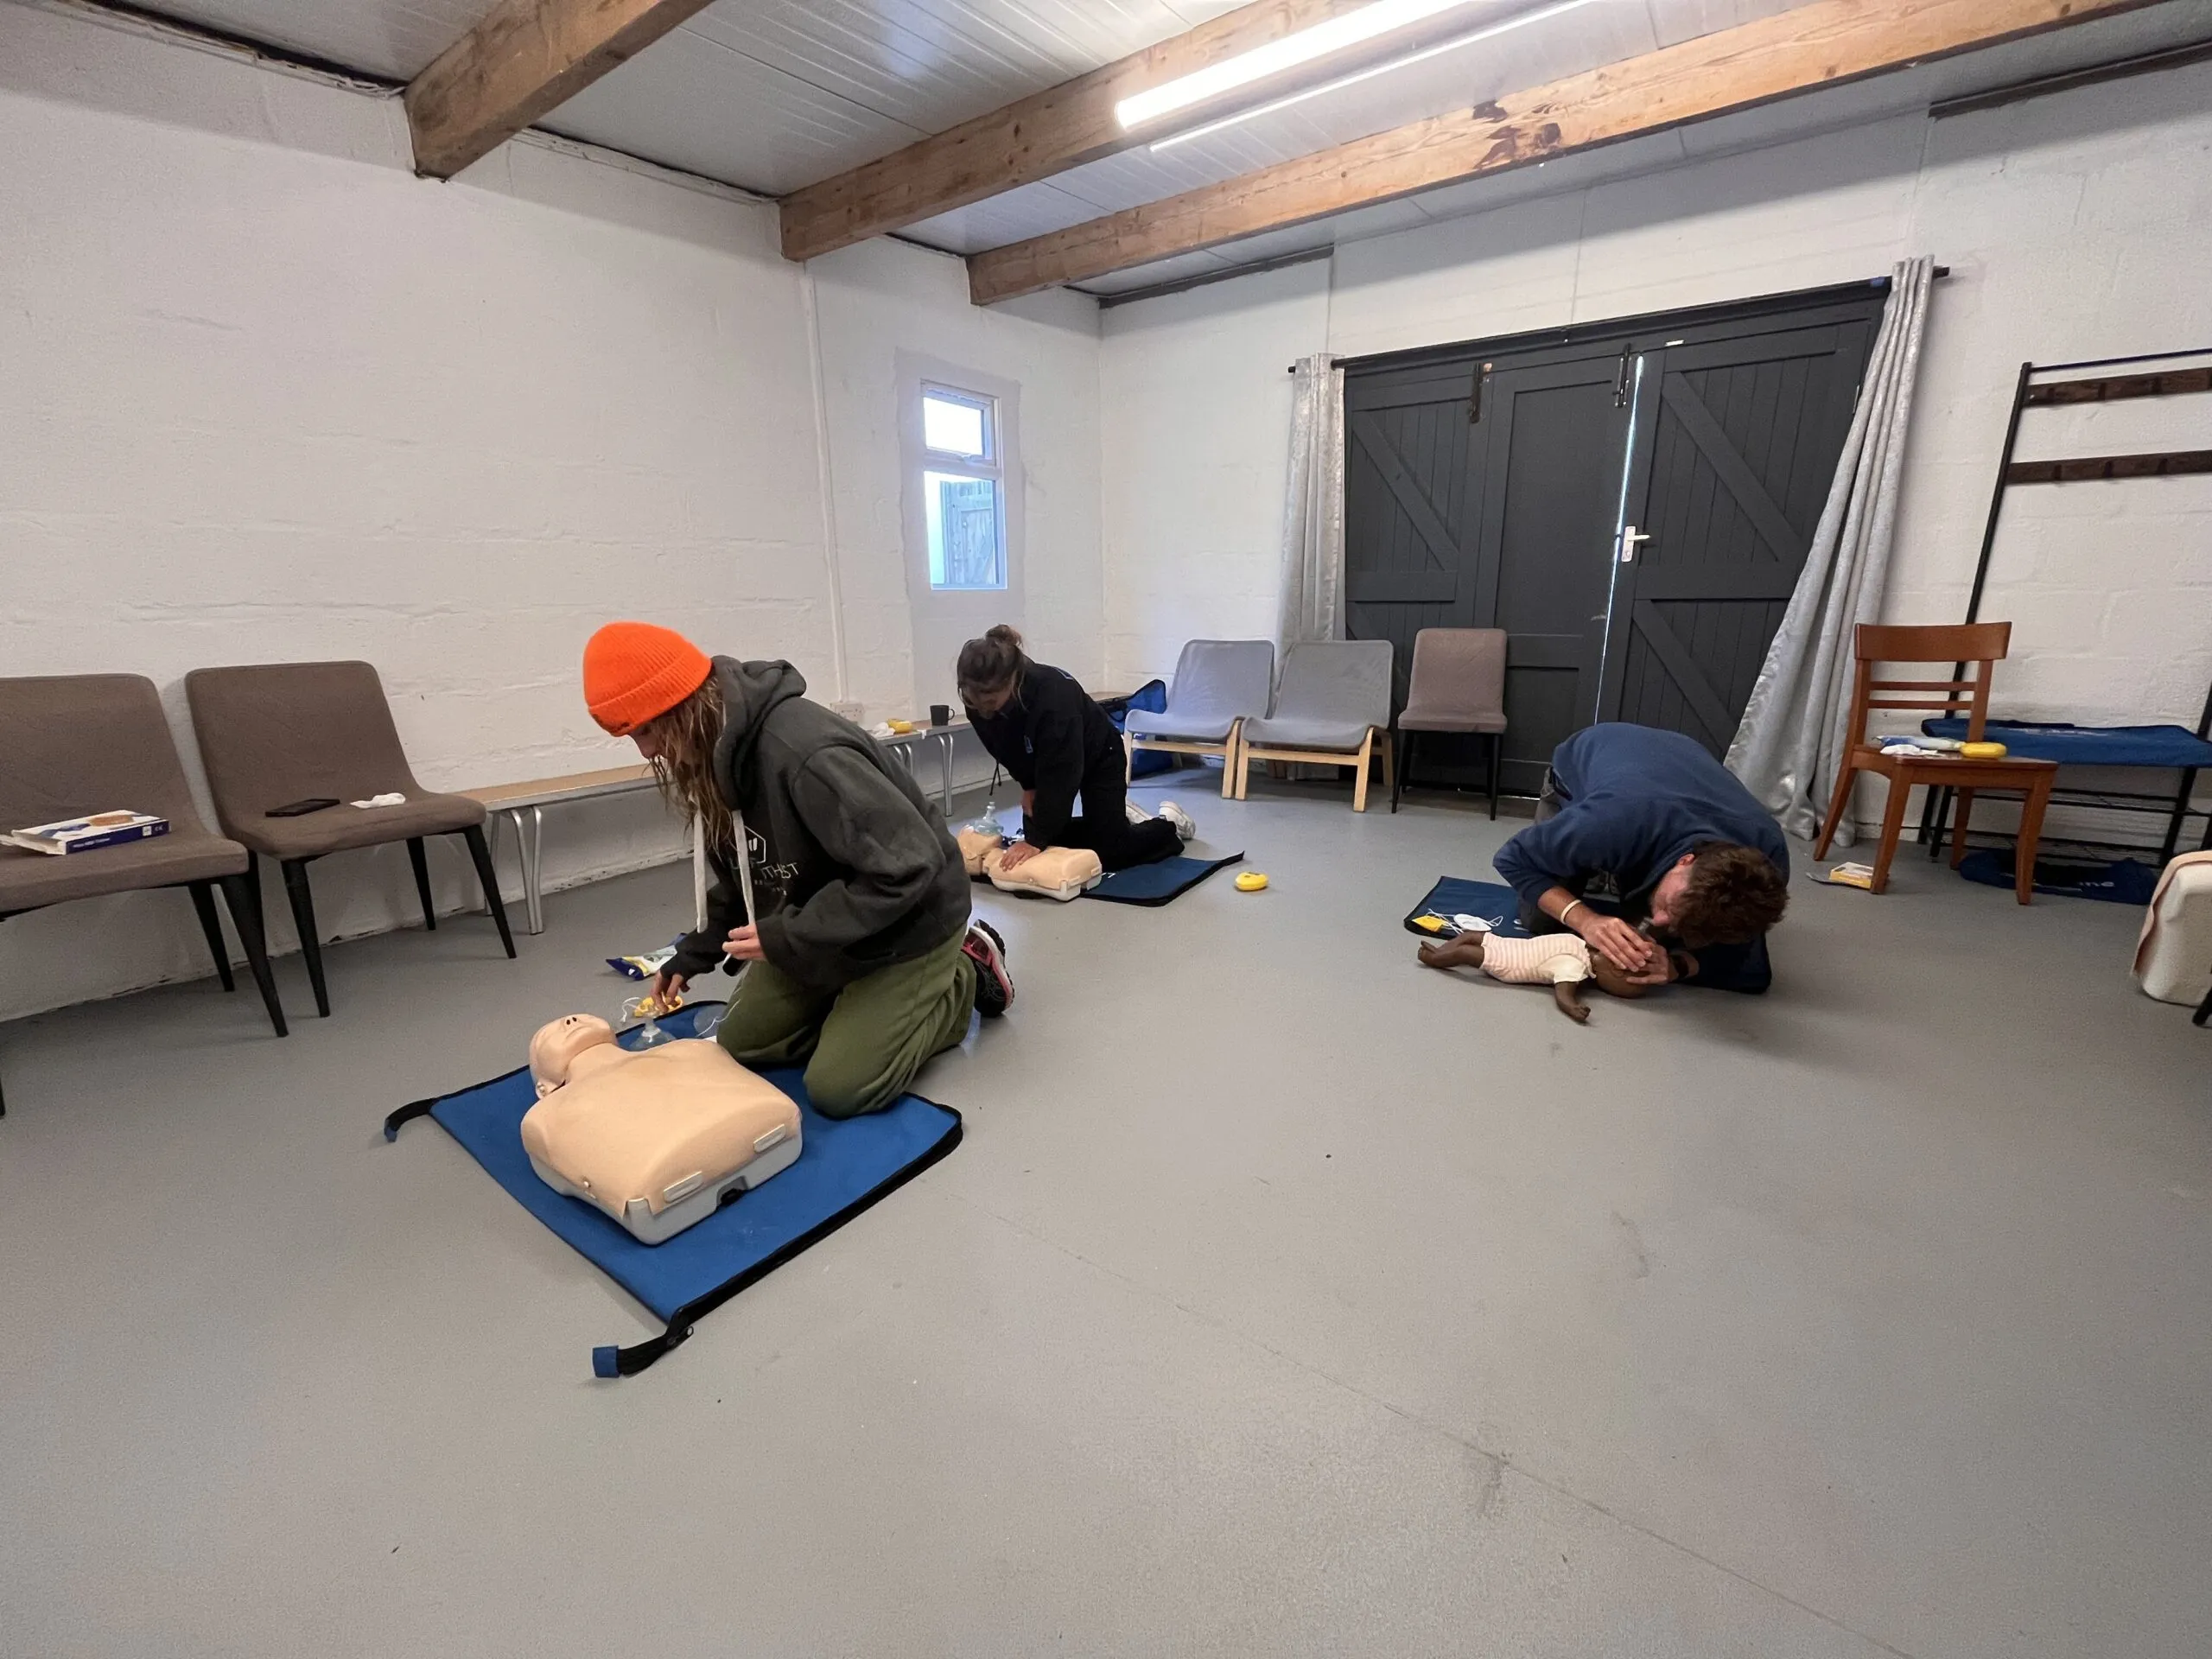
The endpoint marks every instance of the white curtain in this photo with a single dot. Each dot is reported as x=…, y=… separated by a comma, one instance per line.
x=1793, y=736
x=1313, y=507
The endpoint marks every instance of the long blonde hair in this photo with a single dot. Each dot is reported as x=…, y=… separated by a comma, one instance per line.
x=685, y=738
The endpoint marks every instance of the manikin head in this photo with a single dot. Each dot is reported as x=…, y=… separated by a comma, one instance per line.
x=558, y=1045
x=1719, y=894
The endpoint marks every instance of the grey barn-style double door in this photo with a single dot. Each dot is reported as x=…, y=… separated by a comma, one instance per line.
x=1631, y=502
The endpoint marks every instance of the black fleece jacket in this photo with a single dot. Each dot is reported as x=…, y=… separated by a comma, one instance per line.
x=1049, y=735
x=852, y=869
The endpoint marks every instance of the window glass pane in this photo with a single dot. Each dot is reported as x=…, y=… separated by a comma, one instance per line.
x=953, y=428
x=967, y=544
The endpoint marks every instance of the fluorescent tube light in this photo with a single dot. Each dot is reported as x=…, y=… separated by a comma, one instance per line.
x=1319, y=41
x=1488, y=32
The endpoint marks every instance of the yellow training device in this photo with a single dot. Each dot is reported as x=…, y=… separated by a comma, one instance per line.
x=1981, y=751
x=1250, y=882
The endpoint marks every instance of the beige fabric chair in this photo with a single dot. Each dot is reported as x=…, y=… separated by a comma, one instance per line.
x=81, y=743
x=278, y=732
x=1458, y=686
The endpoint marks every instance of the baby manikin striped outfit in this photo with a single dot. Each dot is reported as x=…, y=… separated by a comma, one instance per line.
x=1548, y=959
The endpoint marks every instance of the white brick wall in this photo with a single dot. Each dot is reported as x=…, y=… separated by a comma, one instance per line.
x=268, y=396
x=1197, y=406
x=2076, y=226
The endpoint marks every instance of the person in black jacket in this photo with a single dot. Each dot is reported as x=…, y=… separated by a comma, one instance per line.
x=837, y=879
x=1058, y=744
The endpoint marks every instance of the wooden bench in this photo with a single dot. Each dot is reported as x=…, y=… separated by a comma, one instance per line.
x=533, y=797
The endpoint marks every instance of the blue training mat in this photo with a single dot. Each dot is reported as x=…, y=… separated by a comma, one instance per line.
x=2088, y=745
x=1158, y=884
x=2127, y=881
x=1493, y=901
x=846, y=1165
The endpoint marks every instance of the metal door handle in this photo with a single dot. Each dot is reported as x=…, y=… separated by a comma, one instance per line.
x=1631, y=538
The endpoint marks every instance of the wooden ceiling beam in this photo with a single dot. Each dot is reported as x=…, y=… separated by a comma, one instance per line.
x=525, y=59
x=1049, y=132
x=1821, y=44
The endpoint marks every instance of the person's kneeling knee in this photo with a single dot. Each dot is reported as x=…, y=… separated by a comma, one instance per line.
x=839, y=1094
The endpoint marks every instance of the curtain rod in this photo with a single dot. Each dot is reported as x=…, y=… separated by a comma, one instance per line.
x=1940, y=272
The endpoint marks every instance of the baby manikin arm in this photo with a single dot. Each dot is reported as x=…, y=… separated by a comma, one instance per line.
x=1056, y=873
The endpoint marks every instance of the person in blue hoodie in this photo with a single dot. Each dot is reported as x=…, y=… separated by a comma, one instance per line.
x=1643, y=838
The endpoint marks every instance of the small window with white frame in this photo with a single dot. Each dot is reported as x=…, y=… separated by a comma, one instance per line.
x=964, y=489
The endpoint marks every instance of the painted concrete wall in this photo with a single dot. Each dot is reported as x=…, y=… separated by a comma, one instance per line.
x=2076, y=226
x=268, y=396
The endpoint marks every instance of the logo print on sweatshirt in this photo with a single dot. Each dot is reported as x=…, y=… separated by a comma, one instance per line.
x=771, y=883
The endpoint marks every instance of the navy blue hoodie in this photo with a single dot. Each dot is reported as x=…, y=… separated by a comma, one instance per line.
x=1633, y=801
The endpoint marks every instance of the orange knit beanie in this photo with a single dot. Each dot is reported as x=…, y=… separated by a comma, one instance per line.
x=636, y=672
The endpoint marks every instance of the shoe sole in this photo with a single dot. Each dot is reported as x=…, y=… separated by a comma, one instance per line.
x=989, y=956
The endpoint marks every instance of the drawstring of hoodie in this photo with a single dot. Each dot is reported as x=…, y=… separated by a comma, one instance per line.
x=744, y=850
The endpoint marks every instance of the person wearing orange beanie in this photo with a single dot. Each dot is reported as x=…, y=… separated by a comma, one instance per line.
x=836, y=878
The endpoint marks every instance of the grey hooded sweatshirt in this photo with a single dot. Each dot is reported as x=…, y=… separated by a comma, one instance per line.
x=852, y=869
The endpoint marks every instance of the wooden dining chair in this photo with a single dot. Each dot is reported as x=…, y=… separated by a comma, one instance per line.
x=1981, y=646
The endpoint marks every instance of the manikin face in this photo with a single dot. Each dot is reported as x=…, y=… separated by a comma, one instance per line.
x=1667, y=897
x=555, y=1048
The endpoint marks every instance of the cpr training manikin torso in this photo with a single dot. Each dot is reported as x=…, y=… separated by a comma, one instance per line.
x=1061, y=872
x=656, y=1137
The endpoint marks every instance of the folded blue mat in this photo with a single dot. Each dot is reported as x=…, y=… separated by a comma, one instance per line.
x=2088, y=745
x=1158, y=884
x=2127, y=881
x=846, y=1165
x=1493, y=901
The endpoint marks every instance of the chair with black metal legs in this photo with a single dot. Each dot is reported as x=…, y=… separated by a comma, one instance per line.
x=281, y=734
x=76, y=744
x=1458, y=686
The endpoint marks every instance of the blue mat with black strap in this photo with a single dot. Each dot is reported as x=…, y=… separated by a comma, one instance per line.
x=1493, y=901
x=1161, y=883
x=846, y=1165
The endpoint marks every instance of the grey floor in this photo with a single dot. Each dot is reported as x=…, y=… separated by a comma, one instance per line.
x=1286, y=1298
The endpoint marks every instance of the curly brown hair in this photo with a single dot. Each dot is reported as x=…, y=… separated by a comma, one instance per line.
x=683, y=766
x=1735, y=894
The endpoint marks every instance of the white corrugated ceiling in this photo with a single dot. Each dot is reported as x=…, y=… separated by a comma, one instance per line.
x=773, y=94
x=766, y=94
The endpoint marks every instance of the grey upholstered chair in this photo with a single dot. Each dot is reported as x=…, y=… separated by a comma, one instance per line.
x=1219, y=684
x=279, y=732
x=1333, y=701
x=1459, y=685
x=82, y=743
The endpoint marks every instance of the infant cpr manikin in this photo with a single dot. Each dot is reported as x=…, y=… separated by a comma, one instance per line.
x=655, y=1137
